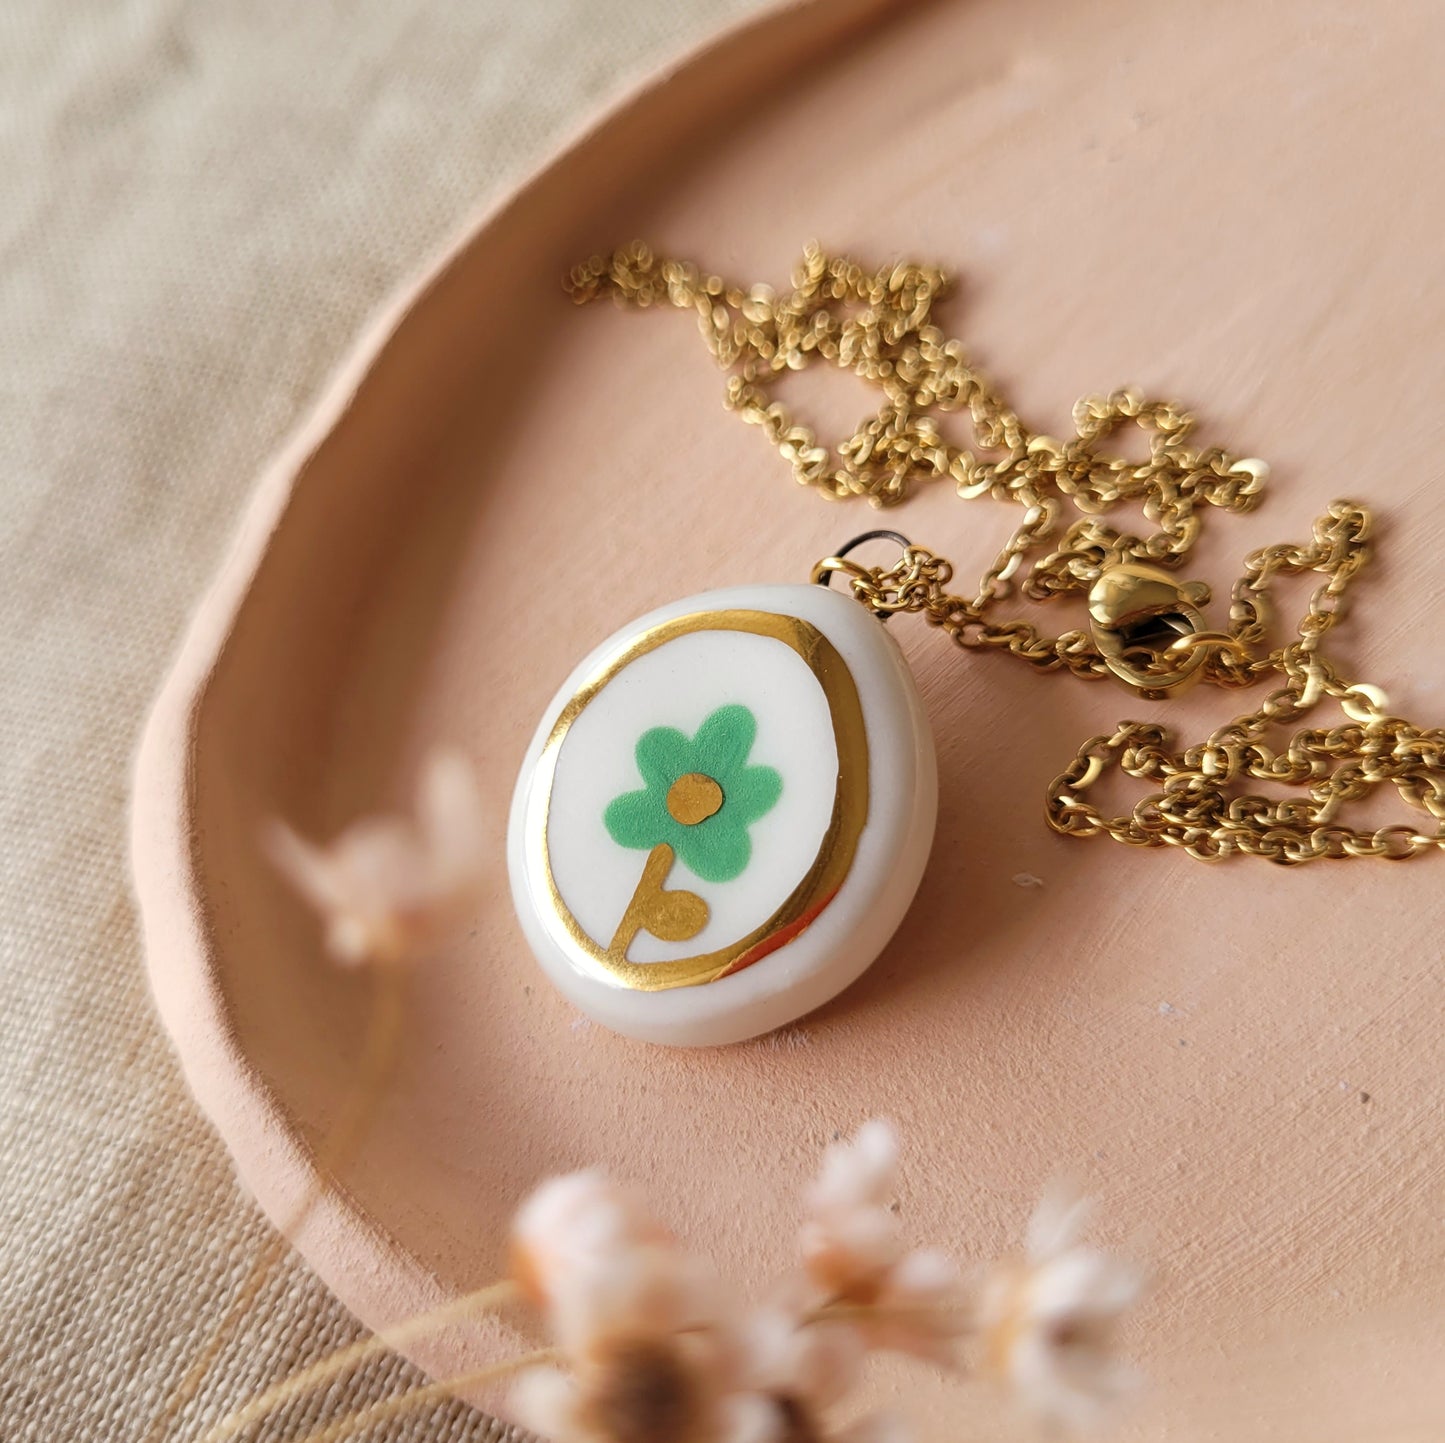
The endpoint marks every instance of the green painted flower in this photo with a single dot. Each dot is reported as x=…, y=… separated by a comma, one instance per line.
x=701, y=796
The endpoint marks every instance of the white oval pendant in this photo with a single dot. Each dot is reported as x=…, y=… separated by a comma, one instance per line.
x=724, y=815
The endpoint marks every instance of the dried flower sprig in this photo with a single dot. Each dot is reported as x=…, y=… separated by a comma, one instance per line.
x=799, y=1368
x=647, y=1356
x=1048, y=1319
x=653, y=1355
x=903, y=1300
x=649, y=1347
x=652, y=1350
x=571, y=1226
x=389, y=887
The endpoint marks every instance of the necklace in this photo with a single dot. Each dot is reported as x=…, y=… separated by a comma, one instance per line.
x=1146, y=629
x=809, y=857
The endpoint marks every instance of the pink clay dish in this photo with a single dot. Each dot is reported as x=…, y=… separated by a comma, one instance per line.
x=1233, y=204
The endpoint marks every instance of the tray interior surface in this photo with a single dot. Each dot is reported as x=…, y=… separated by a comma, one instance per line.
x=1224, y=204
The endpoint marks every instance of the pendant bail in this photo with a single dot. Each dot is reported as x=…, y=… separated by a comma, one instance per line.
x=838, y=562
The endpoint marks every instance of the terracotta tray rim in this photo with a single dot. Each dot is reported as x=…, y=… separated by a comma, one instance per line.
x=370, y=1270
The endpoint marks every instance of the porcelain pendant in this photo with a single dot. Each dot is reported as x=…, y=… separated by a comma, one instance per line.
x=724, y=814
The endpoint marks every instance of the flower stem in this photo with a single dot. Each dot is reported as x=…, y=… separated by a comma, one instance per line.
x=471, y=1305
x=419, y=1397
x=672, y=916
x=376, y=1067
x=837, y=1312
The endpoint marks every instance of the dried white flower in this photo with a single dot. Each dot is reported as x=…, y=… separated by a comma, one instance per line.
x=389, y=887
x=785, y=1356
x=849, y=1240
x=853, y=1252
x=797, y=1369
x=1048, y=1319
x=571, y=1224
x=919, y=1309
x=648, y=1356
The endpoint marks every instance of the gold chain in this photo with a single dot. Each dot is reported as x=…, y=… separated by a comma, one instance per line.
x=1146, y=628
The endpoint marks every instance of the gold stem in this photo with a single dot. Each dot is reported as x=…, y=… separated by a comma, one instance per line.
x=472, y=1304
x=418, y=1397
x=644, y=897
x=380, y=1054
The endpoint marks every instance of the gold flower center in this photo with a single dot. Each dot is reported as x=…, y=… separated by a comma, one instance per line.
x=694, y=798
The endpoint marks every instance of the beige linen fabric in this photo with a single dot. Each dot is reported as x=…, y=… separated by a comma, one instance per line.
x=202, y=202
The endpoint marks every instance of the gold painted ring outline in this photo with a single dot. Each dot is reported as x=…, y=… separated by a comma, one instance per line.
x=834, y=858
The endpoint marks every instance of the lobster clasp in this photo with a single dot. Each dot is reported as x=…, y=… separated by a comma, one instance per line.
x=1140, y=616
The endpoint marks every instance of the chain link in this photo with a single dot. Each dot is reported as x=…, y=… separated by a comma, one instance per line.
x=879, y=325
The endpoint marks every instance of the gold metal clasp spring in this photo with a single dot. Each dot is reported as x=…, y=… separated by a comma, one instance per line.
x=1149, y=628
